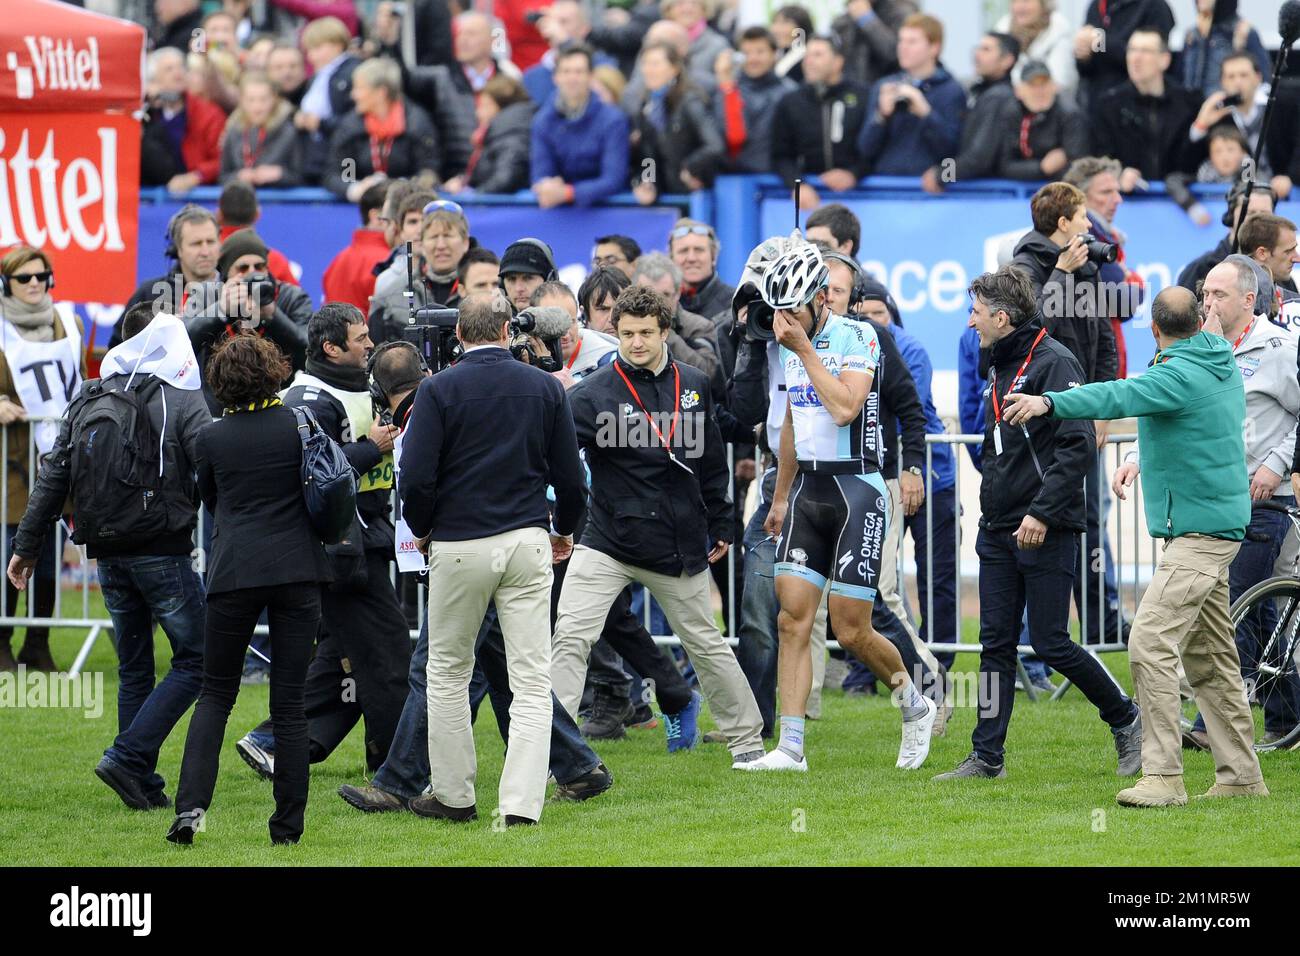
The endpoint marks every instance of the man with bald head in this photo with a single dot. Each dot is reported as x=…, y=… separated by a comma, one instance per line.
x=1190, y=405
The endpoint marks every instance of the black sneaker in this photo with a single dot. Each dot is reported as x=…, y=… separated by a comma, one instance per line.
x=1128, y=745
x=431, y=807
x=591, y=784
x=973, y=766
x=124, y=784
x=158, y=800
x=608, y=718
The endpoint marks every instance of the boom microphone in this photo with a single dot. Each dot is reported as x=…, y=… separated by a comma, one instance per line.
x=1288, y=22
x=547, y=322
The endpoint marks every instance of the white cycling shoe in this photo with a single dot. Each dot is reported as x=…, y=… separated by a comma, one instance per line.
x=915, y=746
x=778, y=759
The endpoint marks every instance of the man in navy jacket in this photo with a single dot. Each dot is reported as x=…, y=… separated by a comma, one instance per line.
x=579, y=143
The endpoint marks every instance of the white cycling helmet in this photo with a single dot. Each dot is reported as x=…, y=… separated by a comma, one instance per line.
x=792, y=280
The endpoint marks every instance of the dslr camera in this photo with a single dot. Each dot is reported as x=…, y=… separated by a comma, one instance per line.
x=1100, y=252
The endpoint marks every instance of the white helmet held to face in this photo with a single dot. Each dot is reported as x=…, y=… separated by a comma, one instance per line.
x=792, y=280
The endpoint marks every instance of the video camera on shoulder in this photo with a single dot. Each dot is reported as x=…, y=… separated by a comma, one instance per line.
x=433, y=332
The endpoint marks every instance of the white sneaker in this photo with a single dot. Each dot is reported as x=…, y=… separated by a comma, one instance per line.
x=916, y=738
x=778, y=759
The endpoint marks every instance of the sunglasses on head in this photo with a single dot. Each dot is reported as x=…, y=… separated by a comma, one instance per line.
x=683, y=231
x=42, y=277
x=443, y=205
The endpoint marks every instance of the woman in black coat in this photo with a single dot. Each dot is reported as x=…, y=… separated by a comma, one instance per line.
x=265, y=556
x=677, y=146
x=499, y=162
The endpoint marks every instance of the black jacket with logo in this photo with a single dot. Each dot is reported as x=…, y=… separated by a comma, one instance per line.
x=817, y=129
x=1040, y=470
x=647, y=510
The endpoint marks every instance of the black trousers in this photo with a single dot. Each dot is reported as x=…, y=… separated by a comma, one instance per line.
x=625, y=634
x=359, y=671
x=293, y=613
x=1038, y=581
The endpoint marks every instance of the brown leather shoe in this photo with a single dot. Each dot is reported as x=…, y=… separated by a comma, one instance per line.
x=431, y=807
x=372, y=799
x=1196, y=740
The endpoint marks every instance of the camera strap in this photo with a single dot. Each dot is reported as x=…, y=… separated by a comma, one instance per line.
x=677, y=406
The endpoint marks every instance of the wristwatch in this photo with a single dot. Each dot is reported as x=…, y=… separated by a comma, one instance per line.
x=915, y=471
x=1050, y=404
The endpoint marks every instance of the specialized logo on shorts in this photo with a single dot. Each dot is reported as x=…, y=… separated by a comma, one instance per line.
x=799, y=557
x=845, y=560
x=690, y=399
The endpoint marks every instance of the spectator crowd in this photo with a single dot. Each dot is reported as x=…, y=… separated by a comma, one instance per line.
x=653, y=98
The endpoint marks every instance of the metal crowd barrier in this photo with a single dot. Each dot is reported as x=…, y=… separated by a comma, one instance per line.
x=1131, y=570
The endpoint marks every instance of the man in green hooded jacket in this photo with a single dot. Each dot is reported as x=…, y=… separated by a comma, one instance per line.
x=1190, y=405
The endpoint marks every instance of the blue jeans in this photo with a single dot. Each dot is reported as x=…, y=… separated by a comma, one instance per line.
x=137, y=590
x=941, y=507
x=1254, y=563
x=757, y=634
x=405, y=772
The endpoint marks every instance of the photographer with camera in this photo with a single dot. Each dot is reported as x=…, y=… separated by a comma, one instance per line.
x=1063, y=262
x=248, y=298
x=364, y=642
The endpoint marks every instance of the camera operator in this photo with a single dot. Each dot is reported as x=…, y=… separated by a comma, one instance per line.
x=477, y=495
x=248, y=298
x=584, y=350
x=364, y=637
x=1063, y=263
x=396, y=371
x=193, y=245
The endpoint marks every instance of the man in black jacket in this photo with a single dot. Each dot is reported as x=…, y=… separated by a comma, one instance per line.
x=193, y=245
x=141, y=577
x=1030, y=518
x=475, y=496
x=1100, y=44
x=815, y=130
x=1144, y=121
x=218, y=309
x=362, y=655
x=995, y=56
x=1075, y=306
x=660, y=514
x=1036, y=134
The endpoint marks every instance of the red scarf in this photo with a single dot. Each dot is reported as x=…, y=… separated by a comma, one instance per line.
x=383, y=132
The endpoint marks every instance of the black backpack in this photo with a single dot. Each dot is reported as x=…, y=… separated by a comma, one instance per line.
x=115, y=476
x=329, y=485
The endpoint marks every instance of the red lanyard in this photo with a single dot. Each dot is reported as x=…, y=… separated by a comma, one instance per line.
x=1102, y=8
x=677, y=405
x=250, y=154
x=1244, y=332
x=379, y=154
x=574, y=357
x=1025, y=150
x=997, y=408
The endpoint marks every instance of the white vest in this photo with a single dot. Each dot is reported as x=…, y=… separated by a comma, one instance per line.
x=46, y=376
x=361, y=416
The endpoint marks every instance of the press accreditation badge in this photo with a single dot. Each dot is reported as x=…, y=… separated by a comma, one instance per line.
x=997, y=438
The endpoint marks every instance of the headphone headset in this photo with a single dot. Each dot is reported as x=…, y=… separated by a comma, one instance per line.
x=179, y=218
x=377, y=395
x=1237, y=193
x=859, y=290
x=6, y=289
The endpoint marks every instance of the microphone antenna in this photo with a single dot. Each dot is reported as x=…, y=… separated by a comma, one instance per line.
x=410, y=283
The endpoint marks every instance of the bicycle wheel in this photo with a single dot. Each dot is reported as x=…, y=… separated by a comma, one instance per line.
x=1267, y=623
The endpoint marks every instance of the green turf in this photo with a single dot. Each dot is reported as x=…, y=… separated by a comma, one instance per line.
x=1056, y=807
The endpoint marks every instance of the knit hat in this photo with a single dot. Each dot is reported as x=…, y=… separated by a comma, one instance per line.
x=528, y=257
x=242, y=242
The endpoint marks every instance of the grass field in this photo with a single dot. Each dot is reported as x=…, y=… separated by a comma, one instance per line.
x=1056, y=807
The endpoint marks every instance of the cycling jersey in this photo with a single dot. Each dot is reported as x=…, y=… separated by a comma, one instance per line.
x=821, y=445
x=835, y=529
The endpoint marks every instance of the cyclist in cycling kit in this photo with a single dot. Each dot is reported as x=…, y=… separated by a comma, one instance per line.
x=829, y=509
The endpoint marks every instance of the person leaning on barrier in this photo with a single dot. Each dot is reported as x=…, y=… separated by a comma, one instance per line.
x=364, y=645
x=42, y=364
x=1030, y=519
x=1190, y=405
x=265, y=556
x=240, y=302
x=396, y=373
x=143, y=576
x=477, y=495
